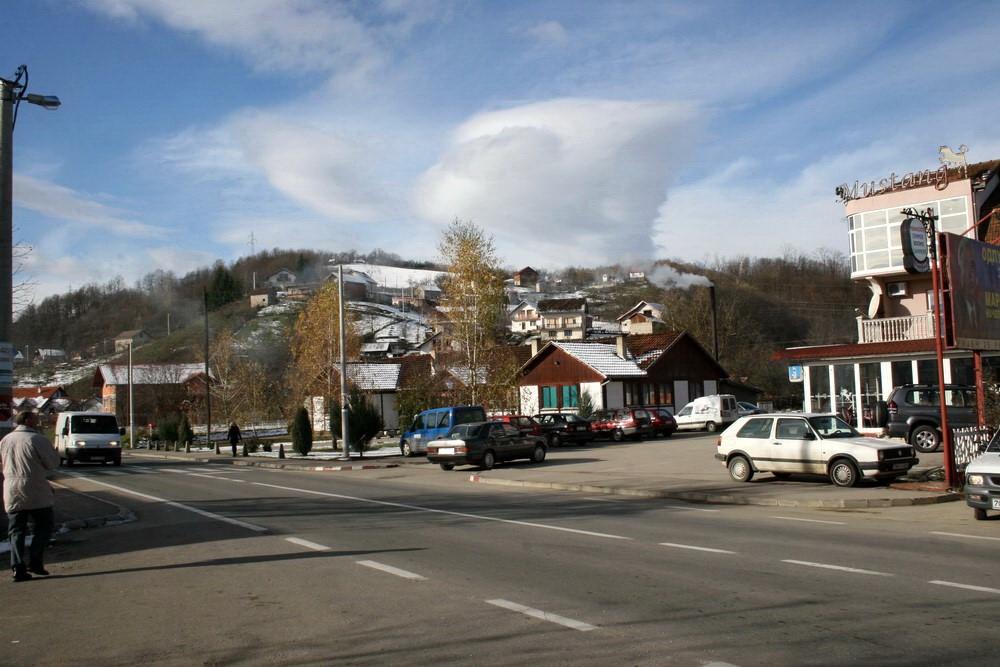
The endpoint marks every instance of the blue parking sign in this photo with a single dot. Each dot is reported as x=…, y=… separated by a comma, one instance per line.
x=795, y=373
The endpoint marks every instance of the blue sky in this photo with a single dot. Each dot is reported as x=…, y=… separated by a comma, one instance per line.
x=574, y=132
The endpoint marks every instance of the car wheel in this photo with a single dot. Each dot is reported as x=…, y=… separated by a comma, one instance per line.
x=979, y=513
x=782, y=475
x=844, y=473
x=711, y=427
x=539, y=454
x=555, y=440
x=405, y=448
x=740, y=469
x=489, y=460
x=447, y=466
x=70, y=461
x=925, y=438
x=617, y=435
x=118, y=461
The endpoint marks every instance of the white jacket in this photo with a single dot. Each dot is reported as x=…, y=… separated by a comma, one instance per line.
x=26, y=456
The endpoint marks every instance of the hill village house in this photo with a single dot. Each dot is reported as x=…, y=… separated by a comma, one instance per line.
x=895, y=343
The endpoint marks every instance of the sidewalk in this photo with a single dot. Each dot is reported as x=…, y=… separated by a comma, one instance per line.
x=680, y=468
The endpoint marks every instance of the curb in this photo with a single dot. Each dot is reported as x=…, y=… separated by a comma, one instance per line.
x=123, y=515
x=723, y=498
x=295, y=464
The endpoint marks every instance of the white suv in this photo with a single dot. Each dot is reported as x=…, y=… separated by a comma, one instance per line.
x=820, y=444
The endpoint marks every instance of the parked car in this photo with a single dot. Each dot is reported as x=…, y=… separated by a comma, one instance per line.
x=484, y=444
x=560, y=428
x=821, y=444
x=661, y=422
x=435, y=423
x=745, y=408
x=914, y=413
x=525, y=424
x=982, y=481
x=711, y=413
x=622, y=423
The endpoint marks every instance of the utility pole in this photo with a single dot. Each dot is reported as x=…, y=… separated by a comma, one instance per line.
x=343, y=363
x=11, y=94
x=208, y=383
x=131, y=401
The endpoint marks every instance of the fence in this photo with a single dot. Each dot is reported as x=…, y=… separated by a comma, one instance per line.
x=968, y=443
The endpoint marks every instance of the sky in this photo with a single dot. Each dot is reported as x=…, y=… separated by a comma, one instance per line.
x=573, y=132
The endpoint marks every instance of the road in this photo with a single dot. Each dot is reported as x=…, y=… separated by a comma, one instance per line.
x=235, y=566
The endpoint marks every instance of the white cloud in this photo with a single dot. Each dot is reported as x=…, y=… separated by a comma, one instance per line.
x=346, y=39
x=562, y=181
x=60, y=202
x=548, y=33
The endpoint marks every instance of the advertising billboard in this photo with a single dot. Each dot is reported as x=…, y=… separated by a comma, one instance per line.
x=974, y=280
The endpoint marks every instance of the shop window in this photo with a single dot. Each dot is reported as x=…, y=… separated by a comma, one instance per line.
x=843, y=377
x=962, y=371
x=927, y=371
x=819, y=383
x=871, y=393
x=902, y=373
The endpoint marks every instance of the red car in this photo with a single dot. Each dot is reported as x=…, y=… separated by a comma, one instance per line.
x=623, y=423
x=526, y=425
x=662, y=422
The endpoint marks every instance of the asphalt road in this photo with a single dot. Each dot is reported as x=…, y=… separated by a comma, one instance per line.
x=415, y=566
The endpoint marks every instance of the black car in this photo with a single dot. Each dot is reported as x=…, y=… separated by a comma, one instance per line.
x=914, y=412
x=561, y=428
x=484, y=444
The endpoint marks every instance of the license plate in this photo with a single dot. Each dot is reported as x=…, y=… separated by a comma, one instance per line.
x=450, y=451
x=900, y=466
x=996, y=503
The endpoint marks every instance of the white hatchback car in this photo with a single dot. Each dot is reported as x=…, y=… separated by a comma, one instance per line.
x=820, y=444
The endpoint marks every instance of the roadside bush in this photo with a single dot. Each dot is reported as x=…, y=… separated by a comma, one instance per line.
x=167, y=429
x=301, y=432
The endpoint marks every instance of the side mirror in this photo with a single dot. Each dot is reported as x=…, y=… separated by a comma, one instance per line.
x=65, y=430
x=809, y=436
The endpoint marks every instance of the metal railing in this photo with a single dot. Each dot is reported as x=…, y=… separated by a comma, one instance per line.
x=969, y=443
x=894, y=329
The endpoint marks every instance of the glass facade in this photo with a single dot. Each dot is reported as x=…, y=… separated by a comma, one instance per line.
x=871, y=392
x=902, y=373
x=843, y=377
x=819, y=383
x=874, y=235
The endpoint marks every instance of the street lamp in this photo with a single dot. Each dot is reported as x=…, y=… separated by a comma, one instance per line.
x=12, y=92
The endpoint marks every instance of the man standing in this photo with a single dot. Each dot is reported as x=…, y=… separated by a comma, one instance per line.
x=26, y=456
x=234, y=436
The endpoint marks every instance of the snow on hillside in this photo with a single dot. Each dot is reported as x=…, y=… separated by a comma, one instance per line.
x=394, y=276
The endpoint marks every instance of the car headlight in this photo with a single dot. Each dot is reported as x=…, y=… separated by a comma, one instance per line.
x=113, y=443
x=80, y=443
x=975, y=480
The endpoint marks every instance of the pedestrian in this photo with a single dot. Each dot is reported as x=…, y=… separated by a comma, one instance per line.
x=234, y=436
x=26, y=457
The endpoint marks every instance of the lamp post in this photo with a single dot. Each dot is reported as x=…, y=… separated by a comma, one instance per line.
x=12, y=92
x=927, y=219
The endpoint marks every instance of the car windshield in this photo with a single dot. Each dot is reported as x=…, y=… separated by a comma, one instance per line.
x=994, y=445
x=829, y=426
x=95, y=424
x=466, y=431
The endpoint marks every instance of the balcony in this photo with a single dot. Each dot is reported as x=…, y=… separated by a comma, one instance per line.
x=895, y=329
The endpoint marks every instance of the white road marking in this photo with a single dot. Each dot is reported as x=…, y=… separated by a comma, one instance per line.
x=307, y=544
x=143, y=471
x=607, y=500
x=233, y=479
x=198, y=474
x=968, y=587
x=543, y=615
x=792, y=518
x=971, y=537
x=210, y=515
x=418, y=508
x=176, y=472
x=391, y=570
x=113, y=472
x=840, y=568
x=689, y=509
x=694, y=548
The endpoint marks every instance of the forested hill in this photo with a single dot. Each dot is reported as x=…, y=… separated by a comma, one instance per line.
x=86, y=320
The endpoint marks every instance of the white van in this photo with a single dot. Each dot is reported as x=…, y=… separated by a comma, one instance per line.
x=708, y=412
x=88, y=436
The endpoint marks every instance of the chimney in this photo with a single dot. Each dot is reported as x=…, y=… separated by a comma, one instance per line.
x=620, y=349
x=534, y=345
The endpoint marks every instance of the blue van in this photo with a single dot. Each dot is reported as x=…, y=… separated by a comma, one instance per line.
x=436, y=423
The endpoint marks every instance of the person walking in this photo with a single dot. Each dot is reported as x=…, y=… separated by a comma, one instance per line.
x=234, y=436
x=26, y=457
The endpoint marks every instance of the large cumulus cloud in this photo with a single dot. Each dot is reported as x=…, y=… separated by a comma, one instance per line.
x=563, y=181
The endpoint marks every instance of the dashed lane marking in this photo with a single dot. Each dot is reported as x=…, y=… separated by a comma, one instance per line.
x=968, y=587
x=113, y=472
x=792, y=518
x=696, y=548
x=405, y=574
x=969, y=537
x=432, y=510
x=839, y=568
x=543, y=615
x=307, y=544
x=171, y=503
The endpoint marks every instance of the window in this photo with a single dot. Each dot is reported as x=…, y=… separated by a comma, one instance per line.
x=549, y=398
x=695, y=390
x=792, y=429
x=819, y=384
x=570, y=396
x=443, y=420
x=962, y=371
x=927, y=371
x=902, y=373
x=756, y=428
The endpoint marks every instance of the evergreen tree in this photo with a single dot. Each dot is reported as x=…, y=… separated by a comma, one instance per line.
x=184, y=433
x=301, y=432
x=363, y=420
